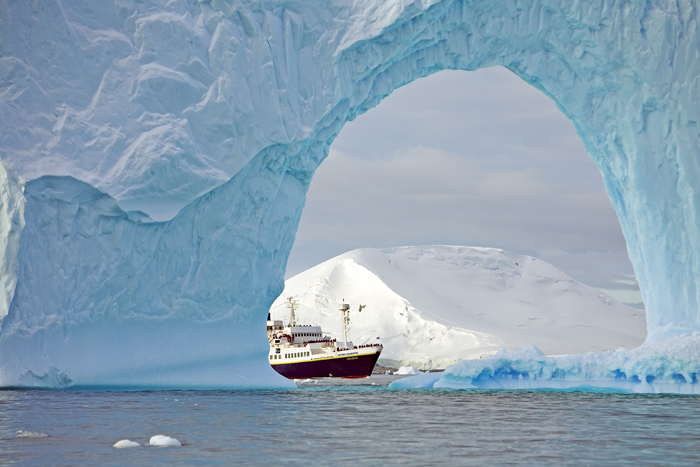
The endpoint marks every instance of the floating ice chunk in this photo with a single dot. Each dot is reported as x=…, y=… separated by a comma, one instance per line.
x=125, y=443
x=31, y=434
x=425, y=380
x=162, y=440
x=408, y=370
x=672, y=366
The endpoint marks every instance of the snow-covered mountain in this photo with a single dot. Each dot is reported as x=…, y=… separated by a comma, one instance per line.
x=432, y=305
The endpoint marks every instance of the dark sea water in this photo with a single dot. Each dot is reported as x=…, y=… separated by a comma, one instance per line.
x=326, y=424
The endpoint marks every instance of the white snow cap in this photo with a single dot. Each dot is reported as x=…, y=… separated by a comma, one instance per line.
x=125, y=443
x=435, y=304
x=162, y=440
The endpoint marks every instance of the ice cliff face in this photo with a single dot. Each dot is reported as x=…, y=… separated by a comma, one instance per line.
x=167, y=147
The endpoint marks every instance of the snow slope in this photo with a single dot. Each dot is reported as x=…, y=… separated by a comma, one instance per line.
x=432, y=305
x=167, y=147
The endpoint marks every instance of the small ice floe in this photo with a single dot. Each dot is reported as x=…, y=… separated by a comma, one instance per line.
x=408, y=370
x=30, y=434
x=126, y=443
x=162, y=440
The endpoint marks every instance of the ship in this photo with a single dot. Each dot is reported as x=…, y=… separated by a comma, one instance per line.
x=299, y=351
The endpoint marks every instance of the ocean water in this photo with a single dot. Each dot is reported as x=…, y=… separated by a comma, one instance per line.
x=351, y=423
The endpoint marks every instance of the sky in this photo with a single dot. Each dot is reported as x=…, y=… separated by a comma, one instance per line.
x=466, y=158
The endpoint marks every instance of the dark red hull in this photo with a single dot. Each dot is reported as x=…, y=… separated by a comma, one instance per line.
x=353, y=366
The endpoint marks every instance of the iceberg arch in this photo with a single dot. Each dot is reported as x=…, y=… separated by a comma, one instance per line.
x=165, y=149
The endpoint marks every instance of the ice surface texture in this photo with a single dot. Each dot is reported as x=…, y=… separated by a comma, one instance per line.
x=167, y=147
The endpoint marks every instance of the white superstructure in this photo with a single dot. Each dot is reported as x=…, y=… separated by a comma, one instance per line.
x=302, y=351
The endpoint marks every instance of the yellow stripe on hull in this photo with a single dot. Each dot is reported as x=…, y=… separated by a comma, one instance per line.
x=309, y=359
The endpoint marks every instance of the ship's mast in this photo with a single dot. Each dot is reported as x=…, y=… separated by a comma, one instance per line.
x=345, y=310
x=293, y=306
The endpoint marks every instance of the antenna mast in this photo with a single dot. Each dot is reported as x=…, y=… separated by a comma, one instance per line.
x=293, y=307
x=345, y=310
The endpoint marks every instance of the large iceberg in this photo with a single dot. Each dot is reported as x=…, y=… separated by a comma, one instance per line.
x=156, y=156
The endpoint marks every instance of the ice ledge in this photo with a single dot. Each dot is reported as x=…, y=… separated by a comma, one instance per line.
x=12, y=203
x=672, y=366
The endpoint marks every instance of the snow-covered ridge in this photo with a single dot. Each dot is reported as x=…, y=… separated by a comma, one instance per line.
x=432, y=305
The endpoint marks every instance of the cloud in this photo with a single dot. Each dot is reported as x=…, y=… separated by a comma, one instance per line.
x=479, y=159
x=427, y=194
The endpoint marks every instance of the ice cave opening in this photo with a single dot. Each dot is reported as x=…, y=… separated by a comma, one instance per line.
x=156, y=159
x=475, y=158
x=472, y=158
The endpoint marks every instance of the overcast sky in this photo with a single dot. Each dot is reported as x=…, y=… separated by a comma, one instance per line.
x=466, y=158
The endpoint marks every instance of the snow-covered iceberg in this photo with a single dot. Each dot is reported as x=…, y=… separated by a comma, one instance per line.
x=167, y=147
x=432, y=305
